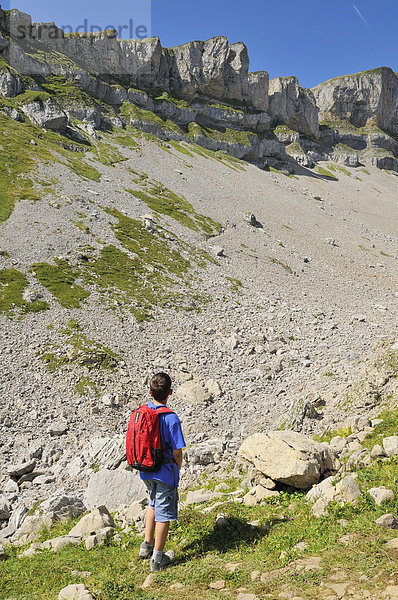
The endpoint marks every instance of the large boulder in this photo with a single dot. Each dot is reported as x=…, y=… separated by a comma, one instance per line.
x=113, y=488
x=287, y=457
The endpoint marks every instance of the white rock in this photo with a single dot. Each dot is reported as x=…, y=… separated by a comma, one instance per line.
x=113, y=488
x=97, y=520
x=75, y=592
x=285, y=456
x=381, y=494
x=348, y=489
x=390, y=445
x=193, y=392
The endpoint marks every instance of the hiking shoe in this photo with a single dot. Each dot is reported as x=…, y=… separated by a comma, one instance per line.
x=146, y=550
x=166, y=561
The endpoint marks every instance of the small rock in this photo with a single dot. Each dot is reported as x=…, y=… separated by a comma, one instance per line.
x=177, y=586
x=21, y=468
x=149, y=581
x=390, y=445
x=75, y=592
x=4, y=509
x=217, y=585
x=377, y=451
x=388, y=520
x=3, y=555
x=381, y=494
x=243, y=596
x=393, y=543
x=58, y=428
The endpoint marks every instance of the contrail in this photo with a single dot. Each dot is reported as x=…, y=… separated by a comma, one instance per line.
x=360, y=15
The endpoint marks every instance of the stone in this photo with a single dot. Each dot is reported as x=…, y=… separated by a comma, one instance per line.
x=213, y=387
x=377, y=451
x=31, y=528
x=11, y=487
x=56, y=544
x=388, y=520
x=21, y=469
x=347, y=489
x=381, y=494
x=244, y=596
x=129, y=515
x=63, y=506
x=4, y=509
x=285, y=456
x=393, y=543
x=98, y=539
x=75, y=592
x=391, y=592
x=218, y=585
x=58, y=428
x=258, y=494
x=91, y=524
x=390, y=445
x=192, y=392
x=113, y=488
x=149, y=581
x=3, y=554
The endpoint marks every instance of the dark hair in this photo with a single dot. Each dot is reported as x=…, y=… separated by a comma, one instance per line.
x=160, y=386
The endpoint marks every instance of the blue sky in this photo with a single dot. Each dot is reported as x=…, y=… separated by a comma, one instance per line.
x=313, y=39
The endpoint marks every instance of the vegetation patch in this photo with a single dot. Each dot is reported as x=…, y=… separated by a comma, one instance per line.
x=60, y=280
x=163, y=201
x=12, y=285
x=236, y=284
x=325, y=173
x=152, y=273
x=133, y=113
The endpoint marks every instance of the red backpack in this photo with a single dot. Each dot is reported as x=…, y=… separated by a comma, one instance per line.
x=143, y=443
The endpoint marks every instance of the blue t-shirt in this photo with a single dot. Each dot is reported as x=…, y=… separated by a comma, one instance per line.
x=172, y=439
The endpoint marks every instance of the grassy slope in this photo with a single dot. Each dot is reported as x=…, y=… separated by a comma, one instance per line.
x=204, y=553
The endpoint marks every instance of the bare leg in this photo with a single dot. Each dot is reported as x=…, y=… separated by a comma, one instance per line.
x=150, y=525
x=162, y=529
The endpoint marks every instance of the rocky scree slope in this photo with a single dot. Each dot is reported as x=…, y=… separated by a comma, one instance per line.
x=201, y=92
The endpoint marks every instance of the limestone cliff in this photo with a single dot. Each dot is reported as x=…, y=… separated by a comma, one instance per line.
x=292, y=105
x=201, y=91
x=365, y=99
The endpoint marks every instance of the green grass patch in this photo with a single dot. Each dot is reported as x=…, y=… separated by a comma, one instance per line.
x=80, y=350
x=133, y=113
x=12, y=285
x=60, y=280
x=325, y=173
x=236, y=284
x=163, y=201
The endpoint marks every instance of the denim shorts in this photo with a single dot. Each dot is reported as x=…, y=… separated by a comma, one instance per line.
x=163, y=499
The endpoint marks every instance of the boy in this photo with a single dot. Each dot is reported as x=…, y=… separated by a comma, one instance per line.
x=162, y=485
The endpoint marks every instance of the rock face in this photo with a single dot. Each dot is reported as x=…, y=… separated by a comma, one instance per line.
x=287, y=457
x=368, y=98
x=292, y=105
x=212, y=68
x=46, y=114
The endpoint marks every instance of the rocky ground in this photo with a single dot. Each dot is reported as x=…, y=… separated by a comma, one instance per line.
x=298, y=302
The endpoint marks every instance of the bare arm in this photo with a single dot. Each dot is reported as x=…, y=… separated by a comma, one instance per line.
x=178, y=457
